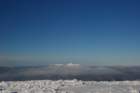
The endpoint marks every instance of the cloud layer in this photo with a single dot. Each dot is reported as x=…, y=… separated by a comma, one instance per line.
x=71, y=71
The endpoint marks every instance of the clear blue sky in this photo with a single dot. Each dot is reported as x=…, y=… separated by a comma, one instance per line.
x=41, y=32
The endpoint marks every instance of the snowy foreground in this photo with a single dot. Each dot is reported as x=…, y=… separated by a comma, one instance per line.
x=69, y=86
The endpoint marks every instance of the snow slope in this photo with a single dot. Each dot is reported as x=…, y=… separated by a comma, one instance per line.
x=69, y=86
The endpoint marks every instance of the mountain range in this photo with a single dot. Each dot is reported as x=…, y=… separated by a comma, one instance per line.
x=70, y=71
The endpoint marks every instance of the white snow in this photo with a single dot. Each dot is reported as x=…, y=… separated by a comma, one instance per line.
x=69, y=86
x=65, y=65
x=72, y=65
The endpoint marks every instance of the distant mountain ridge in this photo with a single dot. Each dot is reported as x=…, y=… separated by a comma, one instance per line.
x=71, y=71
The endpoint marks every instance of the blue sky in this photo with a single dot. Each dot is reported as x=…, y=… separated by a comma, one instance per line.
x=41, y=32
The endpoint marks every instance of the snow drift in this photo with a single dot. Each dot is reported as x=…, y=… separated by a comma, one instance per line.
x=69, y=86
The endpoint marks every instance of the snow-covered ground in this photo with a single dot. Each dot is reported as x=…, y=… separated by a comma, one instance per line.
x=69, y=86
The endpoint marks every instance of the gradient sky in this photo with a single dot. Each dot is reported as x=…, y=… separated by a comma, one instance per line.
x=41, y=32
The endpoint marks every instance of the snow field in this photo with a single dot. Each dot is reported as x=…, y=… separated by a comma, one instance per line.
x=69, y=86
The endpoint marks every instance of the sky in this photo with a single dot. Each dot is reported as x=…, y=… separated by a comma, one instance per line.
x=41, y=32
